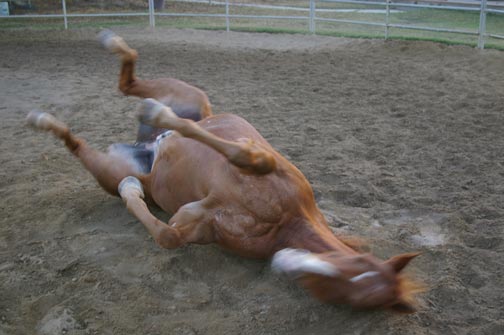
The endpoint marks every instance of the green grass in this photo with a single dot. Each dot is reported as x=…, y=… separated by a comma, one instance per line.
x=434, y=18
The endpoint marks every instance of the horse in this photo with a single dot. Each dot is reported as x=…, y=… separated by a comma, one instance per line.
x=223, y=183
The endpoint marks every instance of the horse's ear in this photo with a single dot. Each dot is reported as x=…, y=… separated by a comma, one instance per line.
x=403, y=307
x=399, y=262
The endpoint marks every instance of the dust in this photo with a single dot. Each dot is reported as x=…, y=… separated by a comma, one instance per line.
x=402, y=142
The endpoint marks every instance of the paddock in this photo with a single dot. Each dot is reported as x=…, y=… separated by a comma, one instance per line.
x=402, y=142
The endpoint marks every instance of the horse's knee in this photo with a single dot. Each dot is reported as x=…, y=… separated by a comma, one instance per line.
x=250, y=157
x=168, y=238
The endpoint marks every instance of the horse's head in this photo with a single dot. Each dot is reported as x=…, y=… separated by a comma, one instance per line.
x=362, y=281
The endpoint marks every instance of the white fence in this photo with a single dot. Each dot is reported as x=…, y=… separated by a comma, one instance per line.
x=309, y=14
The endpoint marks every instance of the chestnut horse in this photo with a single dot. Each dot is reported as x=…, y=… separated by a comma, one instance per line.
x=225, y=184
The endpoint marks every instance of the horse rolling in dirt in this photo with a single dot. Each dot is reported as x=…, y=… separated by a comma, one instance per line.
x=225, y=184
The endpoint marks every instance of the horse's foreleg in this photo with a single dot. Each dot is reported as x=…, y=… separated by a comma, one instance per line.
x=189, y=225
x=249, y=156
x=108, y=168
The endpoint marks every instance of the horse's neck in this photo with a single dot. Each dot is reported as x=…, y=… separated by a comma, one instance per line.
x=314, y=237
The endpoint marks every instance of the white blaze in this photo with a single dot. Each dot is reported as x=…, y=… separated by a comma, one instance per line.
x=296, y=261
x=363, y=275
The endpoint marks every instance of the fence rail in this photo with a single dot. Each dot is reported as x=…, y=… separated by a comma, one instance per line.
x=312, y=17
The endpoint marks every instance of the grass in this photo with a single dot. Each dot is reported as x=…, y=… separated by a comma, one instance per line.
x=434, y=18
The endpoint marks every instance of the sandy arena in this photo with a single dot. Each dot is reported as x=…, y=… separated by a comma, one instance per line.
x=402, y=142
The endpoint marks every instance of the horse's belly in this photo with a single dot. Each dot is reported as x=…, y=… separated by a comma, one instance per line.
x=244, y=235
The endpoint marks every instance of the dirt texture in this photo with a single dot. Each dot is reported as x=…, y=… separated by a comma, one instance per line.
x=402, y=142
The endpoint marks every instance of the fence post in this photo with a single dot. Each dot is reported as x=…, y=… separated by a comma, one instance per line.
x=65, y=19
x=227, y=15
x=387, y=19
x=482, y=25
x=152, y=20
x=312, y=16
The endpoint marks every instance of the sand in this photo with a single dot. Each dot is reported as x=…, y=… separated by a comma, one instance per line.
x=402, y=142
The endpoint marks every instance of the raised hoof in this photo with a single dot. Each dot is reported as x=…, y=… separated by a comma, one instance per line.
x=41, y=120
x=110, y=40
x=130, y=185
x=151, y=111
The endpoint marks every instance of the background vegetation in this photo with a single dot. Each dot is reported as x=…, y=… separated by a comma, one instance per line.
x=434, y=18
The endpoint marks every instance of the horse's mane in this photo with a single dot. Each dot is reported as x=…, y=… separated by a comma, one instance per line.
x=409, y=289
x=356, y=243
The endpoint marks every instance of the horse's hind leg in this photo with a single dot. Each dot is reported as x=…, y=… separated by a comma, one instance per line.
x=129, y=84
x=107, y=168
x=127, y=80
x=186, y=101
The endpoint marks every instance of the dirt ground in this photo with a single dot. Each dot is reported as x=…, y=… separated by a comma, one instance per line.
x=402, y=142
